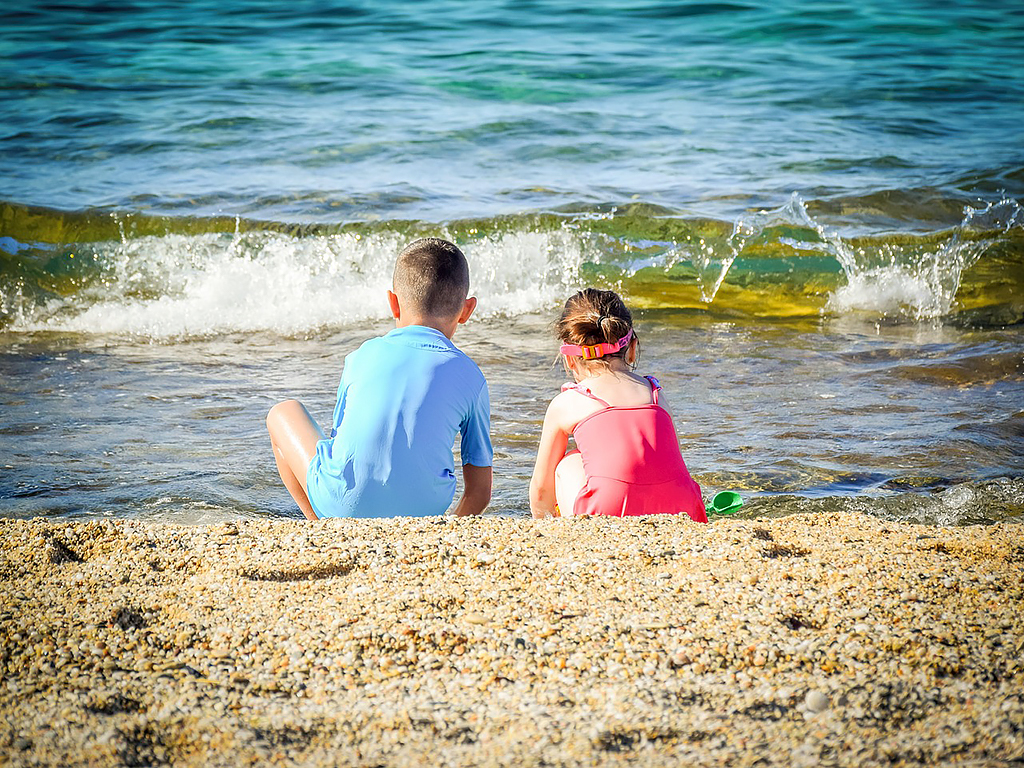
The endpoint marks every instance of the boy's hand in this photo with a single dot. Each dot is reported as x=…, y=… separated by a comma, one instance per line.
x=476, y=490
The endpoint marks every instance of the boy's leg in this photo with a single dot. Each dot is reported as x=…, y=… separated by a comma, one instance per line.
x=294, y=435
x=569, y=481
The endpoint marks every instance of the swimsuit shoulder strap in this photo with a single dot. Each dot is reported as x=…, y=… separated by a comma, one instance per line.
x=585, y=391
x=655, y=387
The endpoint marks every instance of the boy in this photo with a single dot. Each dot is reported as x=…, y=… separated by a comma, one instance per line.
x=402, y=398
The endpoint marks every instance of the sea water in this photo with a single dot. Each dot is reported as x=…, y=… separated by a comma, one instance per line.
x=814, y=209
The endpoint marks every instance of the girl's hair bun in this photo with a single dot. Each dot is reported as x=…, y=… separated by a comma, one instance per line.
x=593, y=316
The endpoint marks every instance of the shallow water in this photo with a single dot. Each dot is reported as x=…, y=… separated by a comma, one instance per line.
x=815, y=211
x=811, y=410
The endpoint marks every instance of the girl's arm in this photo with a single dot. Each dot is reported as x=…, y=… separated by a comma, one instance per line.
x=554, y=439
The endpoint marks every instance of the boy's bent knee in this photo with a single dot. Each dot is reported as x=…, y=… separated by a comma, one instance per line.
x=282, y=410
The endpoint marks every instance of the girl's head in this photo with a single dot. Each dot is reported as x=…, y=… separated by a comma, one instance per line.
x=594, y=317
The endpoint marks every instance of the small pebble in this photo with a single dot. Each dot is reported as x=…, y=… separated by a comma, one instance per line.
x=816, y=701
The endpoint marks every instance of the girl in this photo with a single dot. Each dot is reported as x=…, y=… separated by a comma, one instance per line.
x=628, y=460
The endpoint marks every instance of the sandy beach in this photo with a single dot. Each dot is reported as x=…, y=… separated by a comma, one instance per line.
x=834, y=639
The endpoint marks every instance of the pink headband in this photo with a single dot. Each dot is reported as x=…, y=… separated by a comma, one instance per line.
x=596, y=350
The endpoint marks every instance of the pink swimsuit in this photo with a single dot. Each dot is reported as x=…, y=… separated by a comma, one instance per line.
x=632, y=462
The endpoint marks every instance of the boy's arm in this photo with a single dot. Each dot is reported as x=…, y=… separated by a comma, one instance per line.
x=476, y=490
x=477, y=455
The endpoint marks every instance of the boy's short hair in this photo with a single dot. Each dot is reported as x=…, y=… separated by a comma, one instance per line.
x=432, y=275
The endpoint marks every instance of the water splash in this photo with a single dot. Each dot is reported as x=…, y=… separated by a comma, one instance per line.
x=207, y=277
x=901, y=282
x=711, y=265
x=179, y=286
x=708, y=254
x=523, y=271
x=712, y=261
x=913, y=279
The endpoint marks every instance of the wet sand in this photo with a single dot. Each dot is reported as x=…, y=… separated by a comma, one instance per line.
x=835, y=639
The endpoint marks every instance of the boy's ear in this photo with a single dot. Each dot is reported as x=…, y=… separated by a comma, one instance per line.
x=396, y=310
x=467, y=309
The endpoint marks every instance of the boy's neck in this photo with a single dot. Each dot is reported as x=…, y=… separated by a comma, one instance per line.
x=406, y=316
x=445, y=326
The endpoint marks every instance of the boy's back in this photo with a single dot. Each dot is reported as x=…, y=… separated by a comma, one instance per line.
x=403, y=397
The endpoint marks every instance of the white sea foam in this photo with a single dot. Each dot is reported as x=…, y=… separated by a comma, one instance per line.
x=891, y=291
x=519, y=272
x=887, y=280
x=919, y=286
x=180, y=286
x=185, y=286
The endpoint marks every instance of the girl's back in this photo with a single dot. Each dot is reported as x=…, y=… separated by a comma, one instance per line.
x=628, y=462
x=632, y=461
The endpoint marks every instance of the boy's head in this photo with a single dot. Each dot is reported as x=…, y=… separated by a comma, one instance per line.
x=432, y=278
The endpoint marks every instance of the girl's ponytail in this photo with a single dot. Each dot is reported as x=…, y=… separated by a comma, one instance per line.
x=593, y=316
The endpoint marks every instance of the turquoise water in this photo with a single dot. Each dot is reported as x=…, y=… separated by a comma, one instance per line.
x=321, y=111
x=815, y=209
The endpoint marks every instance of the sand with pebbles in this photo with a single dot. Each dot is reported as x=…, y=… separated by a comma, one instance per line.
x=806, y=640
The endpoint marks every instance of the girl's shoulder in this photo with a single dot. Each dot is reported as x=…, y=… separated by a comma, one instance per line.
x=572, y=393
x=572, y=404
x=576, y=393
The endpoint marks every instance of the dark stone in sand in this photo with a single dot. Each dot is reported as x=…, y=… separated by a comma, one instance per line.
x=59, y=553
x=128, y=618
